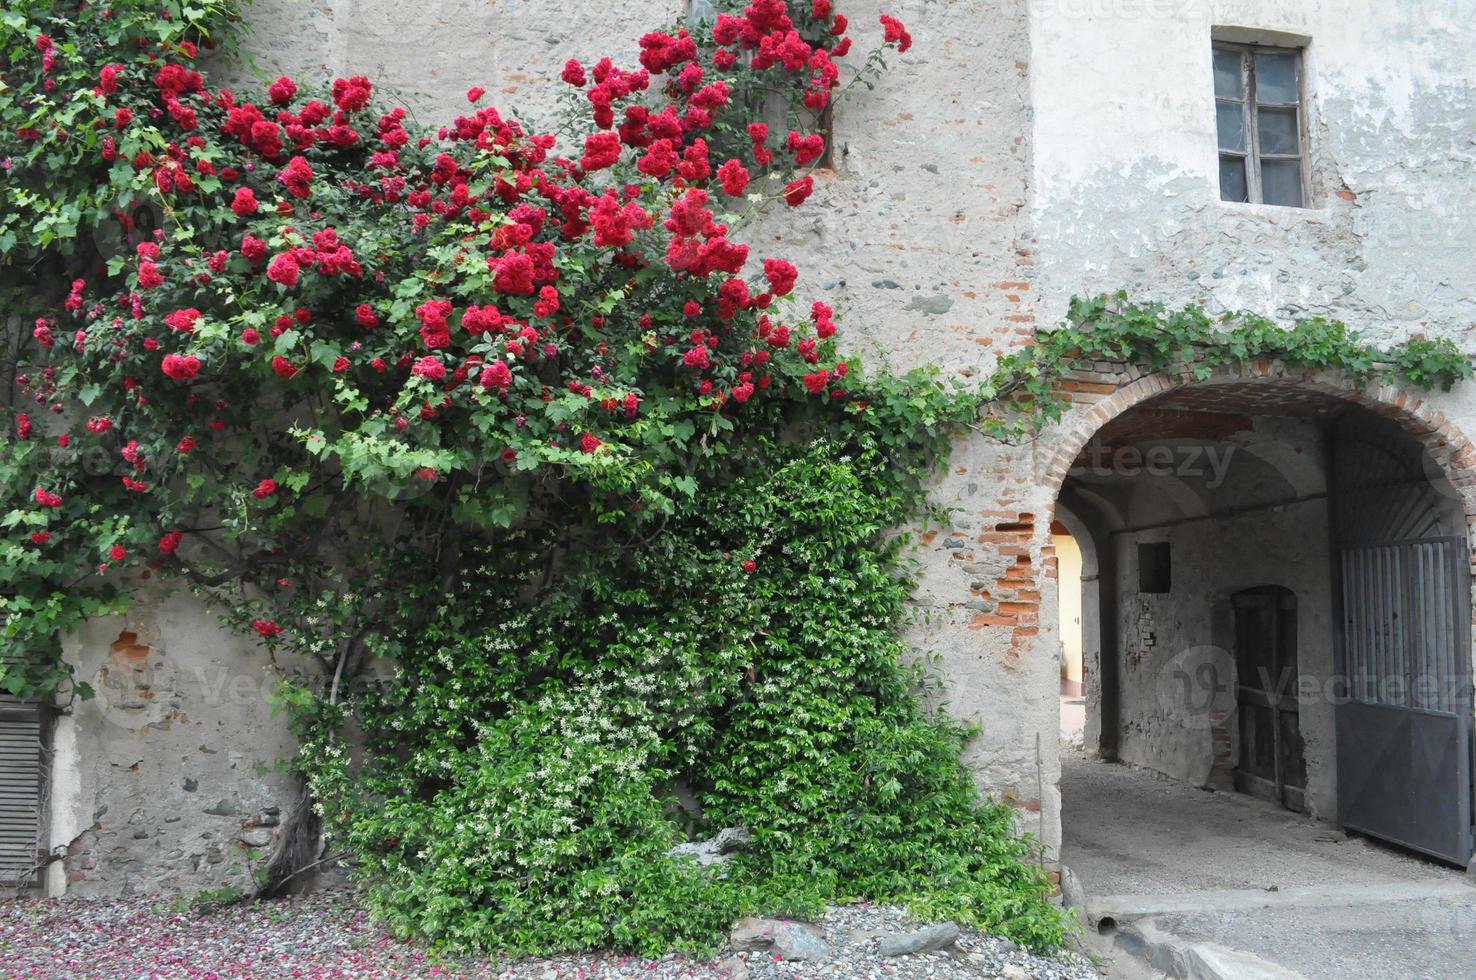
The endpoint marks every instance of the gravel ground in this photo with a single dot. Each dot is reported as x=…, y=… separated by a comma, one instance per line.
x=330, y=937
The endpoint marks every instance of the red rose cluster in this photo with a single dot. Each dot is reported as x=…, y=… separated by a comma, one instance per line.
x=532, y=276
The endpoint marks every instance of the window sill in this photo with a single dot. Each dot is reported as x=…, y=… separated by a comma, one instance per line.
x=1274, y=211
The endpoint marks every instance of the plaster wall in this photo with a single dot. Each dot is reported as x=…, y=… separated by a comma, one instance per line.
x=1068, y=578
x=920, y=239
x=1125, y=191
x=167, y=780
x=1170, y=729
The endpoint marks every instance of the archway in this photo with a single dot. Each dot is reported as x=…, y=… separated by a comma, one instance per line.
x=1350, y=505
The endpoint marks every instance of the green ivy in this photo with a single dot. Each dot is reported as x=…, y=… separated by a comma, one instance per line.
x=518, y=789
x=1190, y=343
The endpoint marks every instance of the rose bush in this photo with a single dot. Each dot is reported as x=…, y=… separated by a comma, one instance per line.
x=303, y=312
x=519, y=418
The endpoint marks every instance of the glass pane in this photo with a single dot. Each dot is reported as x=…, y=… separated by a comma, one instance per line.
x=1276, y=78
x=1232, y=179
x=1229, y=83
x=1278, y=130
x=1281, y=182
x=1230, y=118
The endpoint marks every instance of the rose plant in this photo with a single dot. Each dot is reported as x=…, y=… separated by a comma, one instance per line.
x=508, y=414
x=291, y=312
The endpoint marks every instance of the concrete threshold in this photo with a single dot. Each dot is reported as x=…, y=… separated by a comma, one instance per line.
x=1176, y=957
x=1130, y=921
x=1127, y=908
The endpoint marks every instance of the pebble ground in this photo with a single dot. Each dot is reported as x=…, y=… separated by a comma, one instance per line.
x=329, y=937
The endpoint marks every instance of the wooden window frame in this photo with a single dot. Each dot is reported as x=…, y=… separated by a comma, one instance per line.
x=1251, y=105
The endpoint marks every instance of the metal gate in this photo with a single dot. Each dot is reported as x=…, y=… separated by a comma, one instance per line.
x=1404, y=720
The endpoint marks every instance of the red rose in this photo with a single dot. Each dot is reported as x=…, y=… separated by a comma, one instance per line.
x=365, y=317
x=734, y=177
x=169, y=543
x=574, y=73
x=895, y=33
x=266, y=628
x=796, y=192
x=283, y=367
x=496, y=375
x=781, y=276
x=183, y=320
x=284, y=270
x=264, y=489
x=282, y=90
x=475, y=93
x=253, y=249
x=601, y=150
x=297, y=177
x=750, y=566
x=429, y=367
x=351, y=94
x=815, y=383
x=588, y=443
x=250, y=337
x=244, y=202
x=806, y=149
x=514, y=274
x=186, y=444
x=148, y=275
x=179, y=368
x=117, y=552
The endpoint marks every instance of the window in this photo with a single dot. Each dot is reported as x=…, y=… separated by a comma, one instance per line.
x=1154, y=576
x=23, y=769
x=1258, y=113
x=22, y=776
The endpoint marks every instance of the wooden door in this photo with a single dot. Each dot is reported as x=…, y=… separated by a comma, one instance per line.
x=1272, y=763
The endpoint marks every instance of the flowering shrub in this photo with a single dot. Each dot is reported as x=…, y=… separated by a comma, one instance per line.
x=301, y=312
x=506, y=412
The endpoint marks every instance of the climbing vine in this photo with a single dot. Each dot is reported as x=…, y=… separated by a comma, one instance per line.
x=522, y=419
x=1024, y=390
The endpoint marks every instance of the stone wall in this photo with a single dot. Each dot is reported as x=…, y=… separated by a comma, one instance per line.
x=168, y=780
x=1023, y=152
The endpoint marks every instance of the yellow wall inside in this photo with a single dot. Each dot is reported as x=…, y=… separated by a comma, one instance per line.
x=1068, y=564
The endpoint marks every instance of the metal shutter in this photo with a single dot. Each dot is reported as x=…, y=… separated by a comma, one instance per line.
x=22, y=782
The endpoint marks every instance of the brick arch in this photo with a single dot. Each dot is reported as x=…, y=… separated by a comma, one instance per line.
x=1018, y=532
x=1100, y=403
